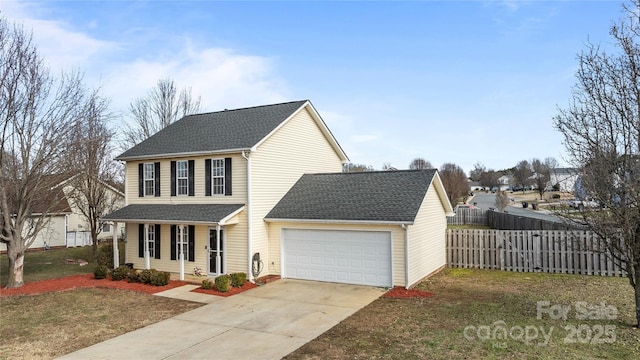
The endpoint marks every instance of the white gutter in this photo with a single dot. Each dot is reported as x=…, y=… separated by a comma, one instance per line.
x=406, y=256
x=180, y=154
x=338, y=221
x=249, y=255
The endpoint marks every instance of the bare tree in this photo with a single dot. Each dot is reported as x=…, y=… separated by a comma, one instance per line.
x=476, y=173
x=502, y=200
x=522, y=174
x=601, y=128
x=38, y=112
x=162, y=106
x=455, y=182
x=350, y=167
x=542, y=174
x=420, y=164
x=490, y=179
x=90, y=190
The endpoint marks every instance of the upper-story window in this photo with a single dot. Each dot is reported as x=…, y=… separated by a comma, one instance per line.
x=149, y=179
x=182, y=177
x=218, y=176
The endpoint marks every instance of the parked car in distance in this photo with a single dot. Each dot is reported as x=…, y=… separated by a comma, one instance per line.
x=580, y=204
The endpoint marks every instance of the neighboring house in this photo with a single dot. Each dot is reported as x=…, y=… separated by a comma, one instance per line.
x=54, y=233
x=504, y=182
x=565, y=178
x=217, y=188
x=475, y=186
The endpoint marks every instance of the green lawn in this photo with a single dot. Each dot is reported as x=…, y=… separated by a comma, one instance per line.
x=51, y=264
x=462, y=320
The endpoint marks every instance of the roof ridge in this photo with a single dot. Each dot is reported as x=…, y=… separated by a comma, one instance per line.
x=372, y=172
x=246, y=108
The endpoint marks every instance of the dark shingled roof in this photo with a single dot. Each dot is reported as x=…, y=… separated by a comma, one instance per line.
x=216, y=131
x=175, y=213
x=384, y=196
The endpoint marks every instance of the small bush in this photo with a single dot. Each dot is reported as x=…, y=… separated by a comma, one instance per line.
x=120, y=273
x=207, y=284
x=100, y=272
x=133, y=276
x=223, y=282
x=160, y=278
x=145, y=276
x=105, y=255
x=238, y=279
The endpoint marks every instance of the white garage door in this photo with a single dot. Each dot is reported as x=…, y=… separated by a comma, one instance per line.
x=352, y=257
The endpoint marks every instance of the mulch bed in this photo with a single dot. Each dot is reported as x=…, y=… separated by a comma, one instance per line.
x=84, y=281
x=232, y=290
x=399, y=292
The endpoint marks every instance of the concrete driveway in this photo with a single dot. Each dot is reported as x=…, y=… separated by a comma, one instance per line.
x=267, y=322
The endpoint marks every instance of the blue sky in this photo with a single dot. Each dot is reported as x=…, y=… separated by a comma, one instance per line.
x=449, y=81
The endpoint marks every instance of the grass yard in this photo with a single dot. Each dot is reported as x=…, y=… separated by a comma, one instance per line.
x=52, y=264
x=477, y=300
x=50, y=325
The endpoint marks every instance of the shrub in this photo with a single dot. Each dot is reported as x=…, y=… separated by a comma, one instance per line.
x=120, y=273
x=238, y=279
x=132, y=276
x=146, y=276
x=160, y=278
x=223, y=282
x=105, y=255
x=207, y=284
x=100, y=272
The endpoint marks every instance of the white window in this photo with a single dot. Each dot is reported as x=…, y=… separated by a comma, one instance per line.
x=149, y=179
x=151, y=240
x=183, y=241
x=182, y=177
x=217, y=176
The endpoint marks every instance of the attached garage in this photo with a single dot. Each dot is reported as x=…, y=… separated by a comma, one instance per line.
x=353, y=257
x=382, y=228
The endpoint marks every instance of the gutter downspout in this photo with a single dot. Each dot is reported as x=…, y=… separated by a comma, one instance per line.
x=249, y=237
x=406, y=256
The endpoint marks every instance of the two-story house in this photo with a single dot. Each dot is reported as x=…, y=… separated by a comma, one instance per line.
x=199, y=192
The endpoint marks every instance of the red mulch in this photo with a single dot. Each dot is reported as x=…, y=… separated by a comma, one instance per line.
x=84, y=281
x=399, y=292
x=232, y=290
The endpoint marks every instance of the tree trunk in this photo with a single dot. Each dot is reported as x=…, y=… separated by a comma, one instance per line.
x=15, y=253
x=637, y=294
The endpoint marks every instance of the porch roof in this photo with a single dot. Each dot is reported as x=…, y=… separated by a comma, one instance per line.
x=176, y=213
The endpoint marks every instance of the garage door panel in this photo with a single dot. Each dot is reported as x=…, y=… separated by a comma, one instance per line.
x=358, y=257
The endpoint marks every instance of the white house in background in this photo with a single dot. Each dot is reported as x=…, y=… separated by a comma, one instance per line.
x=565, y=178
x=504, y=182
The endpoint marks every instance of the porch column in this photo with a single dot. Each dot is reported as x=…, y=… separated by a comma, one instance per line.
x=181, y=250
x=116, y=253
x=218, y=249
x=147, y=260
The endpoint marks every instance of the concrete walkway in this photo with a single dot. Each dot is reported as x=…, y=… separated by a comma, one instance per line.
x=267, y=322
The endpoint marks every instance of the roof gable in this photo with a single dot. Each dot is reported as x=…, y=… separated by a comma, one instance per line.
x=383, y=196
x=222, y=131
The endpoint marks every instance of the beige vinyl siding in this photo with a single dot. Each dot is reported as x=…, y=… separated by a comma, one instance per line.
x=427, y=245
x=235, y=255
x=238, y=181
x=296, y=148
x=397, y=238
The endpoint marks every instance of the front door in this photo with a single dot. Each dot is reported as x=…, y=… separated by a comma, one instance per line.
x=216, y=252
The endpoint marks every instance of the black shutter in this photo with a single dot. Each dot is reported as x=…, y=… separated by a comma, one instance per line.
x=157, y=178
x=157, y=241
x=207, y=177
x=173, y=178
x=173, y=242
x=192, y=169
x=141, y=240
x=140, y=180
x=227, y=176
x=192, y=242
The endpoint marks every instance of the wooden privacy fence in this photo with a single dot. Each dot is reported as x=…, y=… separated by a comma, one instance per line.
x=550, y=251
x=468, y=216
